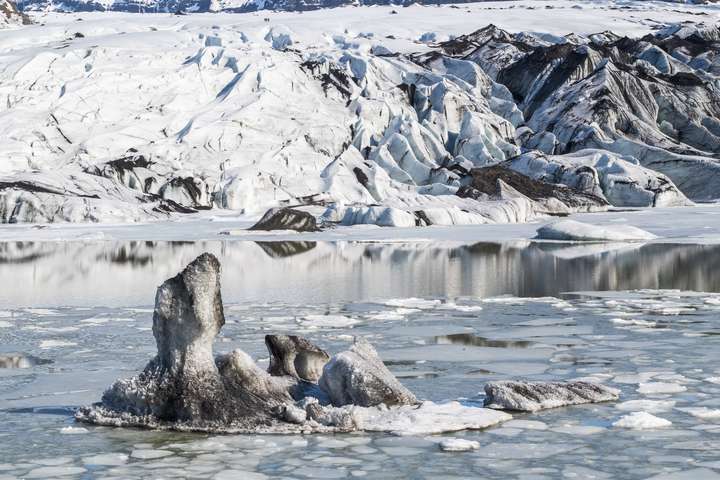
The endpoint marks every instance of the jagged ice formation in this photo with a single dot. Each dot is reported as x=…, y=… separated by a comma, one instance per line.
x=124, y=128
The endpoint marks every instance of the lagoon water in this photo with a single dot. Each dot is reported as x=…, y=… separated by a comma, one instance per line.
x=446, y=318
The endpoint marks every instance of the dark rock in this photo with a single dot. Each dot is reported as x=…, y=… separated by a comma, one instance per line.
x=286, y=219
x=487, y=181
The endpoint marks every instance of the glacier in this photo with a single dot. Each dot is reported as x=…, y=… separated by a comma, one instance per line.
x=131, y=118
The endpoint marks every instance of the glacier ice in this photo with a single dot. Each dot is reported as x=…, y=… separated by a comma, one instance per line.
x=571, y=230
x=304, y=390
x=535, y=396
x=222, y=116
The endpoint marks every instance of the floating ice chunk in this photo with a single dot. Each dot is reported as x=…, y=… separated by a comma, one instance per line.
x=652, y=388
x=46, y=344
x=55, y=471
x=328, y=321
x=412, y=302
x=526, y=424
x=149, y=453
x=633, y=322
x=107, y=459
x=694, y=474
x=715, y=380
x=535, y=396
x=296, y=357
x=359, y=377
x=636, y=378
x=458, y=445
x=232, y=474
x=575, y=430
x=70, y=430
x=428, y=418
x=571, y=230
x=703, y=413
x=650, y=406
x=641, y=421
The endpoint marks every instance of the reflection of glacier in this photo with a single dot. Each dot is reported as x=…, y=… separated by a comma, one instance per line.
x=127, y=273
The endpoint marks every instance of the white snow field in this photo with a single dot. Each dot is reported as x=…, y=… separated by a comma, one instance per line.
x=360, y=114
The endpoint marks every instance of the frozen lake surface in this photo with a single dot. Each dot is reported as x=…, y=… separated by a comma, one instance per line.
x=446, y=318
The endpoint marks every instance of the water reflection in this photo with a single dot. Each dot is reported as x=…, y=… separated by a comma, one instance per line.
x=18, y=360
x=127, y=273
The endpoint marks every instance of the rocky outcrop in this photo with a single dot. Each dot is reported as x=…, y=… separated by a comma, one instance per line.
x=535, y=396
x=286, y=219
x=495, y=181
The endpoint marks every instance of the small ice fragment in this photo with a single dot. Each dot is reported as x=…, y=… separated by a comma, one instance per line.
x=641, y=421
x=571, y=230
x=55, y=471
x=701, y=412
x=633, y=322
x=239, y=474
x=412, y=303
x=651, y=406
x=328, y=321
x=651, y=388
x=45, y=344
x=106, y=459
x=535, y=396
x=458, y=445
x=149, y=454
x=70, y=430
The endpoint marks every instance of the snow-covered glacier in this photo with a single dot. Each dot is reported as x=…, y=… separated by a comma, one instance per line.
x=123, y=118
x=10, y=15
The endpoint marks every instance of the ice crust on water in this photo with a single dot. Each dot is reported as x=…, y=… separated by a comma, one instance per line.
x=653, y=388
x=574, y=231
x=703, y=413
x=429, y=418
x=649, y=406
x=641, y=421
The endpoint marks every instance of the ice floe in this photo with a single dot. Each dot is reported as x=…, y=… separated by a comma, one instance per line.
x=641, y=421
x=574, y=231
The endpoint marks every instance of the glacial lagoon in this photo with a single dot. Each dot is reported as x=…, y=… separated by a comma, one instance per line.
x=446, y=318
